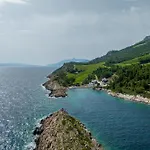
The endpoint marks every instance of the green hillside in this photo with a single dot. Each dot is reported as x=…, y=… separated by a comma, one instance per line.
x=85, y=71
x=139, y=60
x=75, y=73
x=127, y=70
x=132, y=79
x=128, y=53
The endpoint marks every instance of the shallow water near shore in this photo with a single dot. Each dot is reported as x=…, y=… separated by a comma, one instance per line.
x=116, y=123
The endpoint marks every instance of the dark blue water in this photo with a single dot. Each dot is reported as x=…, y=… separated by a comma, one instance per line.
x=117, y=124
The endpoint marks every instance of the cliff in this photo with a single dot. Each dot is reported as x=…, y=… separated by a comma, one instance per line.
x=56, y=89
x=60, y=131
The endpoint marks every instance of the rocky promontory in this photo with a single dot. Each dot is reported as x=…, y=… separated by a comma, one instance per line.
x=56, y=89
x=60, y=131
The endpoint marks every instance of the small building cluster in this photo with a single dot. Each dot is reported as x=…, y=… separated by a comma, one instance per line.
x=96, y=83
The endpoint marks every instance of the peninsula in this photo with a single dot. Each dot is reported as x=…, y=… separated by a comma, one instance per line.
x=126, y=73
x=61, y=131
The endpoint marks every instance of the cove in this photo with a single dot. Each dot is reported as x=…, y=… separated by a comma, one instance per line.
x=116, y=123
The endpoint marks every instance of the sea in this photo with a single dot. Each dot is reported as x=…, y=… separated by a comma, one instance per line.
x=115, y=123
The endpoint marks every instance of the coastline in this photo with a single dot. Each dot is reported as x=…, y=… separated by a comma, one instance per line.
x=134, y=98
x=58, y=91
x=56, y=128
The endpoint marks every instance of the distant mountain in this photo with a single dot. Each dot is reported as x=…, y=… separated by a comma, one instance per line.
x=15, y=65
x=131, y=52
x=59, y=64
x=147, y=38
x=127, y=71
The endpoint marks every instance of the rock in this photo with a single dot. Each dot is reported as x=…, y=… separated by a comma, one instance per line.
x=58, y=93
x=56, y=89
x=133, y=98
x=62, y=131
x=98, y=89
x=37, y=141
x=38, y=131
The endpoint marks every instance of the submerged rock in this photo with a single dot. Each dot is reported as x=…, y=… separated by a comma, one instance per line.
x=63, y=132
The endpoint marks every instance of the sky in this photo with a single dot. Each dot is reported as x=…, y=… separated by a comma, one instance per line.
x=46, y=31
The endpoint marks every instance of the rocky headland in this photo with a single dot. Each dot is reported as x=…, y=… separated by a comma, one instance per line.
x=60, y=131
x=56, y=90
x=60, y=91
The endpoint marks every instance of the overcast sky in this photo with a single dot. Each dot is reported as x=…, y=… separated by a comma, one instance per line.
x=47, y=31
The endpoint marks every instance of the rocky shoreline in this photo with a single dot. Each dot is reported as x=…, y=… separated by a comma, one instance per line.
x=60, y=91
x=135, y=98
x=55, y=89
x=61, y=131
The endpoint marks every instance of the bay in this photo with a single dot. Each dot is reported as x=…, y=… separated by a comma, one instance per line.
x=116, y=123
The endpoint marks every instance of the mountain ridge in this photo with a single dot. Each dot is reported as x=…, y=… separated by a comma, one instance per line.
x=16, y=65
x=61, y=63
x=117, y=56
x=126, y=70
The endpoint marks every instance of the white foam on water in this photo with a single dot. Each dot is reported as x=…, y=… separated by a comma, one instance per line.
x=46, y=91
x=56, y=97
x=47, y=95
x=38, y=124
x=43, y=87
x=30, y=146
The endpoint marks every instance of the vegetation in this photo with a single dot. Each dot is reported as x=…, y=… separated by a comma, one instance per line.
x=75, y=73
x=133, y=79
x=128, y=70
x=128, y=53
x=63, y=132
x=105, y=72
x=139, y=60
x=85, y=72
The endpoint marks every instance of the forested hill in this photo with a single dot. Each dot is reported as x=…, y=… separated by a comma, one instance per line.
x=136, y=50
x=127, y=70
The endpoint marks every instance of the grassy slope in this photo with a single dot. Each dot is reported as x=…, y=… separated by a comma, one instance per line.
x=89, y=68
x=123, y=58
x=133, y=61
x=86, y=70
x=131, y=52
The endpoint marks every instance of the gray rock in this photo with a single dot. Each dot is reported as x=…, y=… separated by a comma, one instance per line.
x=61, y=131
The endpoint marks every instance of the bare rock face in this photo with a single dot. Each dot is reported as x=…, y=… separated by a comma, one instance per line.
x=55, y=88
x=58, y=93
x=60, y=131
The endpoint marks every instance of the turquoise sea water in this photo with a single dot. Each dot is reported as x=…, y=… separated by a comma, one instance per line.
x=117, y=124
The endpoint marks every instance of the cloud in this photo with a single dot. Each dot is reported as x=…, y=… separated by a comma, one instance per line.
x=51, y=30
x=2, y=2
x=134, y=9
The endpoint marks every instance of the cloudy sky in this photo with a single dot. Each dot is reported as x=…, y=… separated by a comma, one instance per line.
x=47, y=31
